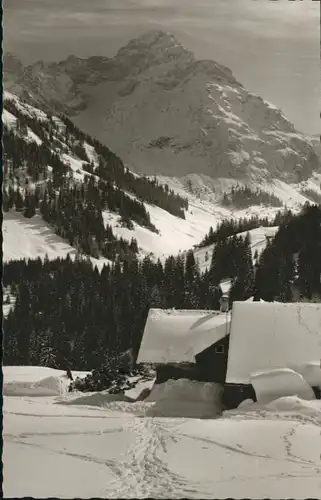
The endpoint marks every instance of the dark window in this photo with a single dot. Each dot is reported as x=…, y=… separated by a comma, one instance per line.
x=219, y=349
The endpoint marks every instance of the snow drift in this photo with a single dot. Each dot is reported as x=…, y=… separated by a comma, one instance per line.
x=99, y=399
x=272, y=384
x=50, y=386
x=141, y=388
x=297, y=405
x=35, y=381
x=287, y=407
x=185, y=398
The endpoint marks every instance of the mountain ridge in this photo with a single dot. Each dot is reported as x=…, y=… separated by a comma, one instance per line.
x=166, y=113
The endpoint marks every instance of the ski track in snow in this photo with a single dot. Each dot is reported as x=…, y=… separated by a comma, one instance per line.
x=87, y=458
x=146, y=474
x=239, y=448
x=268, y=415
x=119, y=451
x=143, y=473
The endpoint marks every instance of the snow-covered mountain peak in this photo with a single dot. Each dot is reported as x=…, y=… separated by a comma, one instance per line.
x=197, y=118
x=150, y=49
x=214, y=71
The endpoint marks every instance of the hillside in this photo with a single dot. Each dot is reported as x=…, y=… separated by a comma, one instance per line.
x=32, y=238
x=52, y=169
x=289, y=268
x=258, y=242
x=198, y=119
x=112, y=317
x=50, y=166
x=51, y=163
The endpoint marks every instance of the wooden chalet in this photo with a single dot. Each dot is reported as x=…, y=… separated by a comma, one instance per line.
x=228, y=347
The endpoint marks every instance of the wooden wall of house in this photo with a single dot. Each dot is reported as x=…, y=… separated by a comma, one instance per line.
x=175, y=371
x=210, y=366
x=212, y=362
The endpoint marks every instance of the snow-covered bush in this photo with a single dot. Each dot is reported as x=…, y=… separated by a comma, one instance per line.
x=113, y=375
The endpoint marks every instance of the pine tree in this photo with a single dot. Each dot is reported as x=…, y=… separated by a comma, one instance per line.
x=192, y=281
x=29, y=206
x=286, y=278
x=19, y=204
x=236, y=291
x=47, y=354
x=156, y=298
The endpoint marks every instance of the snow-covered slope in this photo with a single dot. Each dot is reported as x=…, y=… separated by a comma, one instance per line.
x=117, y=451
x=204, y=191
x=174, y=234
x=258, y=239
x=31, y=238
x=204, y=125
x=161, y=243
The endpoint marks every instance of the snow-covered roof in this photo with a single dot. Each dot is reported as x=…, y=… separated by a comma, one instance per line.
x=176, y=336
x=271, y=335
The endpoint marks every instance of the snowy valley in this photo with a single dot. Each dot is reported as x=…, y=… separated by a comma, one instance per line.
x=198, y=197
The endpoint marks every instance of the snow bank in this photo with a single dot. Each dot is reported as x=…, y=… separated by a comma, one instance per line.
x=99, y=399
x=123, y=402
x=296, y=404
x=270, y=385
x=185, y=398
x=35, y=381
x=111, y=403
x=141, y=386
x=174, y=398
x=284, y=408
x=50, y=386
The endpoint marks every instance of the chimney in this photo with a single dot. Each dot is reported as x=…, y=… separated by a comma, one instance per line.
x=224, y=306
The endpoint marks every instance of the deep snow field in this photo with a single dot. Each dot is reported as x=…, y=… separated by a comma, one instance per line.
x=86, y=445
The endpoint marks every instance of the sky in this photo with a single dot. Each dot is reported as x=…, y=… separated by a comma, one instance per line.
x=271, y=46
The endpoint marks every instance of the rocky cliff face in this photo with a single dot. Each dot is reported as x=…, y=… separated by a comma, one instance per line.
x=166, y=113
